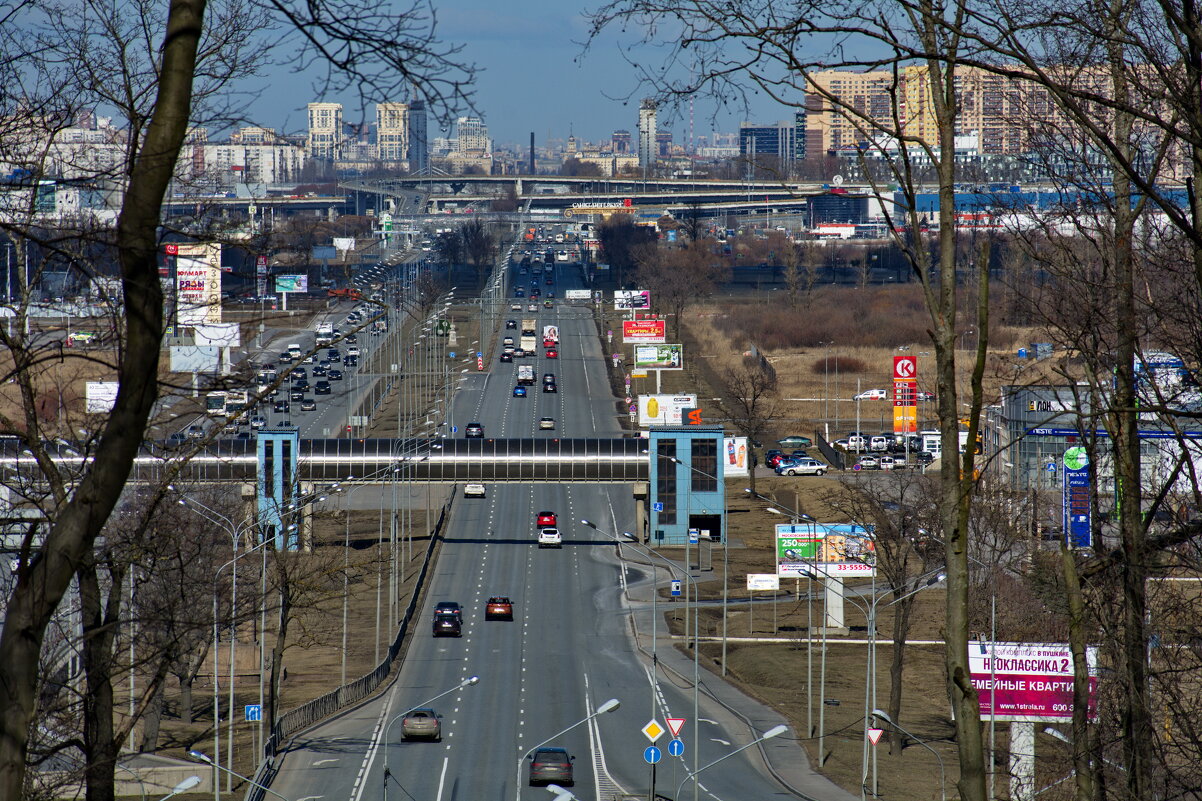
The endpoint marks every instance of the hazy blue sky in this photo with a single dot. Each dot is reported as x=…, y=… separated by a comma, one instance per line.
x=536, y=77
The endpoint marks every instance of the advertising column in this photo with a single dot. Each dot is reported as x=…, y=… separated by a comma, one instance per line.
x=905, y=398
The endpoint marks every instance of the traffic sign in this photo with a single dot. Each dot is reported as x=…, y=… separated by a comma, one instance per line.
x=658, y=506
x=694, y=536
x=676, y=748
x=652, y=754
x=653, y=731
x=856, y=467
x=676, y=586
x=254, y=713
x=874, y=735
x=675, y=725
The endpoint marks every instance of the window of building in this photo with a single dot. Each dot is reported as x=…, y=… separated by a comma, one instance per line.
x=705, y=465
x=665, y=480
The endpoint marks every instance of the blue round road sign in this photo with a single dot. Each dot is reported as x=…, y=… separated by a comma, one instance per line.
x=652, y=755
x=676, y=747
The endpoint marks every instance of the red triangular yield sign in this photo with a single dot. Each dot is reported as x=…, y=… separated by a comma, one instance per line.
x=675, y=725
x=874, y=735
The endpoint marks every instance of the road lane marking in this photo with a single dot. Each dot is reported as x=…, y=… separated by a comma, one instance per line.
x=324, y=762
x=442, y=778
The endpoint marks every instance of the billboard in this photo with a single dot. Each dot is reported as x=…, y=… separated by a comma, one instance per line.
x=735, y=462
x=578, y=294
x=1028, y=682
x=659, y=357
x=647, y=331
x=762, y=581
x=625, y=299
x=292, y=283
x=224, y=335
x=100, y=396
x=821, y=550
x=197, y=283
x=664, y=410
x=195, y=359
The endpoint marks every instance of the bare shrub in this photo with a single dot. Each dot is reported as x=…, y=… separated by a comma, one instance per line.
x=829, y=365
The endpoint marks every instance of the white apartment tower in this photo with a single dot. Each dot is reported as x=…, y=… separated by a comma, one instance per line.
x=472, y=136
x=325, y=131
x=647, y=143
x=392, y=132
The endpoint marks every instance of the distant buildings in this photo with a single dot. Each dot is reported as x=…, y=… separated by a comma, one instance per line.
x=620, y=142
x=647, y=142
x=392, y=133
x=326, y=133
x=783, y=142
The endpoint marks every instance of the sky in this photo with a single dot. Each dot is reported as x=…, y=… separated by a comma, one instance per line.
x=536, y=76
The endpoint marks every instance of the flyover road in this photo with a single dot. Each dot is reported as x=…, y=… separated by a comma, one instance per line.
x=567, y=651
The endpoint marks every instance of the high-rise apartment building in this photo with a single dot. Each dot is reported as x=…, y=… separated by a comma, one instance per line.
x=419, y=144
x=620, y=141
x=325, y=131
x=472, y=136
x=392, y=132
x=647, y=143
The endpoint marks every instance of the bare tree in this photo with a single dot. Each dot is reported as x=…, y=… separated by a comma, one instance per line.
x=677, y=278
x=479, y=246
x=750, y=402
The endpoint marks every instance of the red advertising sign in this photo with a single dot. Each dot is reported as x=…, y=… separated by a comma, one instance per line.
x=1030, y=682
x=648, y=331
x=171, y=250
x=905, y=368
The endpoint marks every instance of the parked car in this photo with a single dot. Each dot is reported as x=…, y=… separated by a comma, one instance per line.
x=888, y=463
x=868, y=463
x=795, y=441
x=551, y=766
x=498, y=608
x=871, y=394
x=421, y=724
x=801, y=467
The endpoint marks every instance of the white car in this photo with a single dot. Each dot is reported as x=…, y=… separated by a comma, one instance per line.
x=473, y=491
x=871, y=394
x=802, y=467
x=550, y=538
x=546, y=423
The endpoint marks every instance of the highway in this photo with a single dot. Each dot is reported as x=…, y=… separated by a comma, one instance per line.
x=568, y=650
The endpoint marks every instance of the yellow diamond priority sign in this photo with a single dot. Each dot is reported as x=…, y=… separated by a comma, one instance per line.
x=653, y=730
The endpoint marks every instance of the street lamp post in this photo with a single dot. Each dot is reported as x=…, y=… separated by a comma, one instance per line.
x=880, y=713
x=202, y=757
x=608, y=706
x=775, y=731
x=468, y=682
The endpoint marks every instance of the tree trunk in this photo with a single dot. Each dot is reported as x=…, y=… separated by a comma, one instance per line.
x=99, y=633
x=897, y=666
x=277, y=653
x=1082, y=764
x=42, y=580
x=185, y=695
x=151, y=721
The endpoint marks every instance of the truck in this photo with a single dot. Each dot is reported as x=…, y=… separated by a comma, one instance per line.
x=529, y=341
x=325, y=334
x=294, y=349
x=550, y=336
x=526, y=374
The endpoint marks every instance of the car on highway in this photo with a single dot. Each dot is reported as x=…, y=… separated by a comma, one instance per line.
x=546, y=519
x=551, y=766
x=281, y=407
x=447, y=625
x=518, y=353
x=511, y=324
x=308, y=405
x=498, y=608
x=284, y=357
x=506, y=356
x=350, y=361
x=795, y=441
x=421, y=724
x=519, y=391
x=550, y=387
x=474, y=431
x=801, y=467
x=519, y=293
x=507, y=342
x=296, y=394
x=448, y=608
x=550, y=538
x=552, y=353
x=515, y=307
x=322, y=388
x=351, y=339
x=548, y=378
x=298, y=372
x=546, y=424
x=334, y=355
x=547, y=304
x=871, y=394
x=532, y=307
x=195, y=432
x=474, y=491
x=258, y=421
x=334, y=375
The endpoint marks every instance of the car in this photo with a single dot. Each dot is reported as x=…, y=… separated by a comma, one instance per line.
x=474, y=431
x=546, y=519
x=319, y=370
x=298, y=373
x=195, y=432
x=322, y=388
x=773, y=459
x=506, y=356
x=868, y=463
x=879, y=443
x=421, y=724
x=924, y=396
x=548, y=304
x=281, y=407
x=473, y=491
x=507, y=342
x=801, y=467
x=258, y=421
x=519, y=293
x=550, y=538
x=515, y=307
x=447, y=625
x=551, y=766
x=498, y=608
x=352, y=351
x=352, y=339
x=550, y=388
x=871, y=394
x=511, y=325
x=296, y=394
x=546, y=424
x=552, y=353
x=532, y=307
x=284, y=356
x=350, y=361
x=519, y=391
x=308, y=405
x=448, y=608
x=334, y=375
x=795, y=441
x=334, y=355
x=230, y=427
x=924, y=457
x=888, y=463
x=548, y=378
x=518, y=353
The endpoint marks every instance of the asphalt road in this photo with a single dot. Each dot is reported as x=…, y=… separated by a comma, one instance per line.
x=568, y=650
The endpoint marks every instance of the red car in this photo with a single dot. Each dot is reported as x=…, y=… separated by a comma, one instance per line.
x=552, y=353
x=546, y=519
x=498, y=608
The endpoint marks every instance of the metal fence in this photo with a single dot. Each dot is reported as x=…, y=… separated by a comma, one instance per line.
x=319, y=709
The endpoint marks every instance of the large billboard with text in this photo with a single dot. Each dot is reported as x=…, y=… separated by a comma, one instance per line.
x=197, y=283
x=644, y=331
x=821, y=550
x=664, y=410
x=625, y=299
x=659, y=357
x=1028, y=682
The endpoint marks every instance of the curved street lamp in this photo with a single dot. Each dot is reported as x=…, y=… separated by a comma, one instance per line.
x=775, y=731
x=468, y=682
x=608, y=706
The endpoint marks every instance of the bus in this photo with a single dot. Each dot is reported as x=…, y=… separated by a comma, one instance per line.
x=222, y=402
x=215, y=403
